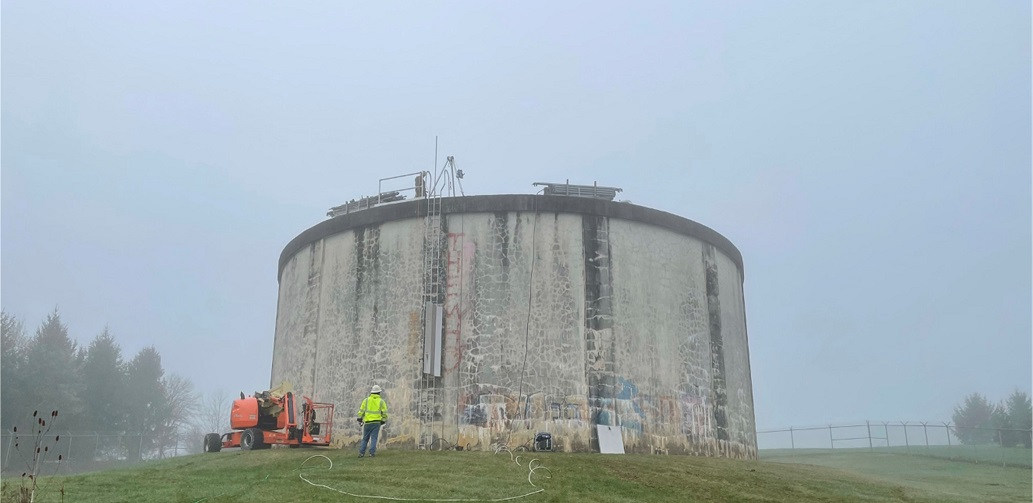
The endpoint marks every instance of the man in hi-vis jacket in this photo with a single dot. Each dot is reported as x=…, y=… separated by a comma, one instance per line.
x=372, y=414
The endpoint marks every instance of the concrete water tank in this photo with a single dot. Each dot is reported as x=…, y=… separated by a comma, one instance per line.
x=510, y=315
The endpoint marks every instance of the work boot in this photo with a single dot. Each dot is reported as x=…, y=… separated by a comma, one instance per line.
x=361, y=455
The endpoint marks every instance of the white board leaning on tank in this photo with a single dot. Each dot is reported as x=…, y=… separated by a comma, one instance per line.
x=610, y=439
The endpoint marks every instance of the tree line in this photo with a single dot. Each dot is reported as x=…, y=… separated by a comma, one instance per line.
x=978, y=421
x=94, y=388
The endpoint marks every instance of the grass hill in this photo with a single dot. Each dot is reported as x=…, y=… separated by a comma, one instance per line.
x=279, y=475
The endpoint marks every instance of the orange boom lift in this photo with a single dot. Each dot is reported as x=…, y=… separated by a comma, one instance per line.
x=264, y=419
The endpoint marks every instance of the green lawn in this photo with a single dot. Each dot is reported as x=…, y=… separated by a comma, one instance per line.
x=276, y=475
x=978, y=475
x=984, y=454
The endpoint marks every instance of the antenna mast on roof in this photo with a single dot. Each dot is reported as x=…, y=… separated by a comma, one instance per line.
x=444, y=180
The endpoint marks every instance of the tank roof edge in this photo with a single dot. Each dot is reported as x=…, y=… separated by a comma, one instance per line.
x=417, y=208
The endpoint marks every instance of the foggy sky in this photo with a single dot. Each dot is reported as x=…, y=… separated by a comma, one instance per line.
x=871, y=160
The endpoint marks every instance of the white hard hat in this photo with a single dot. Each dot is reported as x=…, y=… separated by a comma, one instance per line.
x=376, y=389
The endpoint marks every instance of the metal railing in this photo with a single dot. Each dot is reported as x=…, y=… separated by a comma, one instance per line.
x=83, y=451
x=419, y=187
x=1004, y=446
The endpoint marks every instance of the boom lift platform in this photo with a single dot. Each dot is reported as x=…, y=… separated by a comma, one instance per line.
x=264, y=419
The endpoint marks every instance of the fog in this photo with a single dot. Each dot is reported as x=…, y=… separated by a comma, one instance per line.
x=870, y=160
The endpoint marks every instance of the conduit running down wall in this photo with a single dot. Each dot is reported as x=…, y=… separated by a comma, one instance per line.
x=559, y=314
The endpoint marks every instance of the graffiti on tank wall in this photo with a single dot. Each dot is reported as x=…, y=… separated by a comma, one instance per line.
x=459, y=258
x=489, y=411
x=653, y=359
x=690, y=413
x=627, y=402
x=488, y=403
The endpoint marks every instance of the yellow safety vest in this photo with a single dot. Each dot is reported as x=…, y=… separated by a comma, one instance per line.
x=373, y=408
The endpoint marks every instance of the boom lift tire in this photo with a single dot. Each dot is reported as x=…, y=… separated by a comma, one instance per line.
x=251, y=438
x=212, y=442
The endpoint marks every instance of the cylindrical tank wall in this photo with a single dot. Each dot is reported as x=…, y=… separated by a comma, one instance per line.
x=553, y=322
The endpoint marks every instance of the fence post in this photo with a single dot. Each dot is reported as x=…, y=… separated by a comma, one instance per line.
x=907, y=444
x=832, y=442
x=869, y=425
x=925, y=430
x=947, y=427
x=1000, y=440
x=886, y=432
x=792, y=441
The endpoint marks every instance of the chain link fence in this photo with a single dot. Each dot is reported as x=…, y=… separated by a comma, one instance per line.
x=68, y=453
x=999, y=446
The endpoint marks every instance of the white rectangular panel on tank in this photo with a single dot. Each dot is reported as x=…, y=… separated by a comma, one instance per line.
x=428, y=339
x=610, y=439
x=433, y=316
x=439, y=317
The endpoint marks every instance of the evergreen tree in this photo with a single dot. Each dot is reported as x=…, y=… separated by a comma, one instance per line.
x=972, y=420
x=1020, y=416
x=51, y=371
x=12, y=362
x=94, y=388
x=145, y=396
x=1002, y=426
x=104, y=385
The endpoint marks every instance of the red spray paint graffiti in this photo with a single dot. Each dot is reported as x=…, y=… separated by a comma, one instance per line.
x=460, y=267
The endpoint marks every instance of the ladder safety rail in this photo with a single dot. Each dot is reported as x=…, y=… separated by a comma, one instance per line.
x=432, y=294
x=442, y=183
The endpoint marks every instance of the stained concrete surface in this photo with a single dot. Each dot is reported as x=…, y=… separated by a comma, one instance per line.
x=554, y=321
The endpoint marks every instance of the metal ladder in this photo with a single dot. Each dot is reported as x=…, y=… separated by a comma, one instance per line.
x=442, y=183
x=433, y=292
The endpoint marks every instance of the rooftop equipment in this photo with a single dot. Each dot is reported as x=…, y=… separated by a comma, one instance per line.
x=425, y=184
x=593, y=191
x=364, y=203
